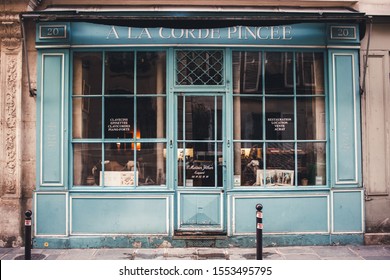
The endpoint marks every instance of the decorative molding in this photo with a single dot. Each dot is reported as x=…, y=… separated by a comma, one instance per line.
x=33, y=4
x=10, y=31
x=10, y=172
x=10, y=50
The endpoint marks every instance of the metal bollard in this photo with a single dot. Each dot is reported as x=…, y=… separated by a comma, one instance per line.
x=259, y=232
x=27, y=235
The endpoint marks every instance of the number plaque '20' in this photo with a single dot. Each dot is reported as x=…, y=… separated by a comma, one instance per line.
x=52, y=32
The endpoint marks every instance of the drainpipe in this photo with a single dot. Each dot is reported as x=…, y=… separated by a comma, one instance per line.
x=365, y=64
x=24, y=42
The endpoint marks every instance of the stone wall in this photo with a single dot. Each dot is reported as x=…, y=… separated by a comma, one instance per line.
x=10, y=129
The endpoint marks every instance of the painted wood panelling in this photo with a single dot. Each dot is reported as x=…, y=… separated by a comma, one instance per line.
x=50, y=214
x=52, y=120
x=344, y=97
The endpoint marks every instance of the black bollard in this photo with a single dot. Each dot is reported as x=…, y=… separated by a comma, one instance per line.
x=259, y=232
x=27, y=235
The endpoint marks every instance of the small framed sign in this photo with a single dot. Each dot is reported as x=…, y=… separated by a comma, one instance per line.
x=343, y=32
x=52, y=32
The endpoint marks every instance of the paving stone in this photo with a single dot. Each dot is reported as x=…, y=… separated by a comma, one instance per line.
x=295, y=250
x=377, y=258
x=333, y=251
x=4, y=251
x=180, y=252
x=114, y=254
x=9, y=257
x=301, y=257
x=369, y=251
x=213, y=254
x=52, y=257
x=148, y=254
x=181, y=258
x=78, y=254
x=343, y=258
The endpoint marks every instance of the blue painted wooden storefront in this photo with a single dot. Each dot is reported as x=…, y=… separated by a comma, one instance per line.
x=328, y=209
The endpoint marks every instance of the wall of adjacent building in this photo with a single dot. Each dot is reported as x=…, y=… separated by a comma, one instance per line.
x=376, y=129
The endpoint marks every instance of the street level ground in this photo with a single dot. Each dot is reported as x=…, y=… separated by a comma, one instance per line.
x=350, y=252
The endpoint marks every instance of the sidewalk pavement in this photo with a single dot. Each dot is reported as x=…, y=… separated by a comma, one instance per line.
x=349, y=252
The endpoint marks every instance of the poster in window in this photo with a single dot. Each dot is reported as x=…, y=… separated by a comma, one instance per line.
x=275, y=177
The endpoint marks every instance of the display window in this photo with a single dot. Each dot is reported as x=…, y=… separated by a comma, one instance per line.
x=279, y=113
x=119, y=118
x=278, y=118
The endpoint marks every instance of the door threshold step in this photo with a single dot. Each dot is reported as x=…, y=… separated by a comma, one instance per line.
x=199, y=235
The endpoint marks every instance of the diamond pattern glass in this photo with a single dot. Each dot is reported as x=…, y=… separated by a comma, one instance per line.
x=203, y=67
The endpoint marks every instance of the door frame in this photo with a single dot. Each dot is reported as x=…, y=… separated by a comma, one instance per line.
x=182, y=191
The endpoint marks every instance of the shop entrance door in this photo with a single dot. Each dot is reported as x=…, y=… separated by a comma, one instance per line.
x=200, y=162
x=199, y=139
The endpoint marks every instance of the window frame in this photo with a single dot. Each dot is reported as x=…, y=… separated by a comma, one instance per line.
x=104, y=141
x=296, y=142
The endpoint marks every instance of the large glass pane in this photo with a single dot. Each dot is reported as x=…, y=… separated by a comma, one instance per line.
x=200, y=164
x=199, y=117
x=151, y=164
x=87, y=117
x=119, y=73
x=119, y=165
x=248, y=118
x=310, y=73
x=220, y=165
x=180, y=117
x=119, y=117
x=279, y=114
x=87, y=159
x=280, y=167
x=247, y=73
x=87, y=73
x=311, y=164
x=311, y=118
x=279, y=75
x=151, y=117
x=248, y=164
x=151, y=73
x=219, y=127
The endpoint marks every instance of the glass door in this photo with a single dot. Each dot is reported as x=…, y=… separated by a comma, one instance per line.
x=200, y=161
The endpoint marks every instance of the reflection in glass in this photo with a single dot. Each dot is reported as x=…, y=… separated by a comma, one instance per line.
x=279, y=118
x=280, y=156
x=279, y=73
x=310, y=73
x=151, y=117
x=151, y=72
x=311, y=118
x=247, y=72
x=119, y=166
x=87, y=117
x=200, y=115
x=151, y=164
x=311, y=164
x=248, y=118
x=87, y=73
x=220, y=165
x=119, y=116
x=200, y=124
x=87, y=160
x=248, y=164
x=119, y=73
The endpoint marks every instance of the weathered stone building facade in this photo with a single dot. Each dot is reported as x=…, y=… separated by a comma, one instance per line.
x=18, y=128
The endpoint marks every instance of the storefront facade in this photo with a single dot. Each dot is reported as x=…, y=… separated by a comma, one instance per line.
x=169, y=136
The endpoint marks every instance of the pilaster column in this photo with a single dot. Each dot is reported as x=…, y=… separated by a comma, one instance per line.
x=10, y=127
